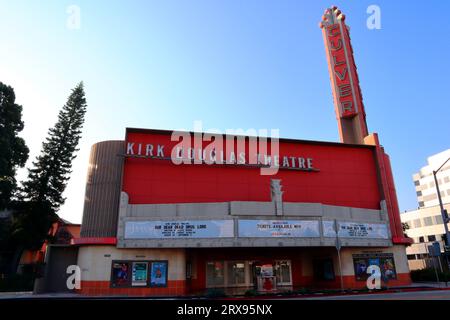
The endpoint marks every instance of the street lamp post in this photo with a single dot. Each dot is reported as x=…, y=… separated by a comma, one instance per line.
x=338, y=248
x=443, y=212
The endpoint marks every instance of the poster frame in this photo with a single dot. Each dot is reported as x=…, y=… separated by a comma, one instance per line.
x=129, y=282
x=166, y=262
x=141, y=283
x=374, y=256
x=112, y=281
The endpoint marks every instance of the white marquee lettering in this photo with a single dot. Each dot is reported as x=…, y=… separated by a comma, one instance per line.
x=149, y=150
x=161, y=151
x=293, y=161
x=210, y=155
x=242, y=158
x=130, y=146
x=139, y=148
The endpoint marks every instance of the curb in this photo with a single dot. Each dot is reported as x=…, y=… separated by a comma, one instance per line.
x=318, y=295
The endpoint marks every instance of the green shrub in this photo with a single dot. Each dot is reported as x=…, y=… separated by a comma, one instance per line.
x=215, y=293
x=303, y=291
x=17, y=282
x=286, y=292
x=334, y=291
x=251, y=293
x=23, y=281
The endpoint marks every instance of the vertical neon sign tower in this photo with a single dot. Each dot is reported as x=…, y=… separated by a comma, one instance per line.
x=344, y=78
x=350, y=112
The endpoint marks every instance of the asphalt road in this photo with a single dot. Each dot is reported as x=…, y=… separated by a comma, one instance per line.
x=424, y=294
x=414, y=295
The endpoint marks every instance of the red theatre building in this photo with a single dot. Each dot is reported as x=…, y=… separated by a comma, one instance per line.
x=181, y=213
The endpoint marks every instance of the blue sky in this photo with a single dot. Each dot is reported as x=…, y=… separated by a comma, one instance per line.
x=230, y=64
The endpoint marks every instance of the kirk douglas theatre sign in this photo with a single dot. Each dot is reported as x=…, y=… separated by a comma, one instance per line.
x=214, y=149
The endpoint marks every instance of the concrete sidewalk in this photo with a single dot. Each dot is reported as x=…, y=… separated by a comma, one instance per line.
x=425, y=284
x=28, y=295
x=416, y=286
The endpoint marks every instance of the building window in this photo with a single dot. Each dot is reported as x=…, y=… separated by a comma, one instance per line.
x=421, y=239
x=411, y=257
x=419, y=193
x=215, y=274
x=427, y=221
x=283, y=272
x=188, y=269
x=446, y=179
x=421, y=204
x=438, y=219
x=323, y=269
x=431, y=184
x=236, y=273
x=431, y=238
x=221, y=274
x=417, y=223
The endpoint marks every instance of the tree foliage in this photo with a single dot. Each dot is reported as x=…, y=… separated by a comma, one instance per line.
x=48, y=178
x=13, y=151
x=42, y=192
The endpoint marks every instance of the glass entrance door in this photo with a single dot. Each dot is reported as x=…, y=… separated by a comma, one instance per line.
x=283, y=272
x=244, y=273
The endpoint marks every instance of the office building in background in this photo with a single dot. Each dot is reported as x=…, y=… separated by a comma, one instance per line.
x=426, y=224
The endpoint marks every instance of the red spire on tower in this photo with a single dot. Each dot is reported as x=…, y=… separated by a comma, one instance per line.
x=350, y=112
x=347, y=95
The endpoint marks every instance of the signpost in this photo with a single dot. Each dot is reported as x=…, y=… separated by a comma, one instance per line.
x=444, y=214
x=434, y=251
x=338, y=248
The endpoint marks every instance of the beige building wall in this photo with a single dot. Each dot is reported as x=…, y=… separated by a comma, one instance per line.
x=95, y=261
x=348, y=271
x=425, y=225
x=425, y=184
x=401, y=262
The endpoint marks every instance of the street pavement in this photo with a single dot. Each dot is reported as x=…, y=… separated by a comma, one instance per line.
x=428, y=292
x=410, y=295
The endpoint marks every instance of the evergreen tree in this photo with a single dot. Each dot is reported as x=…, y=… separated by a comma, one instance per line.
x=48, y=178
x=13, y=151
x=41, y=195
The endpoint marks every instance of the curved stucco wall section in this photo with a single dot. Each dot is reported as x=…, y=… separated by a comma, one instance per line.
x=95, y=261
x=101, y=201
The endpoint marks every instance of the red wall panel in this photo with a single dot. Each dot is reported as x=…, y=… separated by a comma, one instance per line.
x=347, y=176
